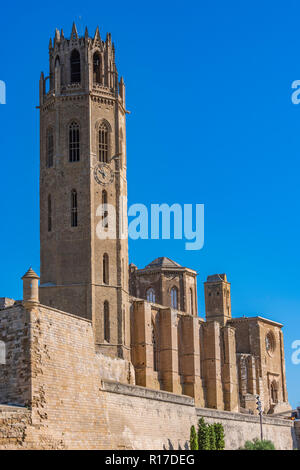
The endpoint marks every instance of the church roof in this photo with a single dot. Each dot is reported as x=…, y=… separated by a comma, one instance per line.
x=163, y=262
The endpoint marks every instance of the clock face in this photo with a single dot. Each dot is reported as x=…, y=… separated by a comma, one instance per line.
x=103, y=174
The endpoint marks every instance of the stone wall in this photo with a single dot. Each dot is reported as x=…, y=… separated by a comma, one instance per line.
x=13, y=424
x=141, y=418
x=15, y=356
x=57, y=373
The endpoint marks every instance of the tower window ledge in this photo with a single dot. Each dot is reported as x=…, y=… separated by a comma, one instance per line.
x=73, y=86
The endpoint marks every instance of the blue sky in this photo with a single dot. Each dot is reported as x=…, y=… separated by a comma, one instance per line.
x=208, y=85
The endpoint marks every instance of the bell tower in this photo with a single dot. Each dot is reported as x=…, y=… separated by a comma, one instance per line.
x=84, y=246
x=217, y=299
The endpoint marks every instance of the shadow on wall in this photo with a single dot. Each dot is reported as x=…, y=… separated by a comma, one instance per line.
x=171, y=446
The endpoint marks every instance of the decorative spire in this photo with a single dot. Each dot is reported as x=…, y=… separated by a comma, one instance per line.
x=74, y=34
x=62, y=34
x=50, y=44
x=97, y=37
x=57, y=36
x=86, y=34
x=108, y=37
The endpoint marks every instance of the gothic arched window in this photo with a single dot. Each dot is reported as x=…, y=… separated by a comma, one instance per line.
x=74, y=142
x=2, y=353
x=105, y=269
x=49, y=148
x=106, y=321
x=174, y=297
x=191, y=302
x=74, y=208
x=274, y=392
x=49, y=213
x=103, y=144
x=105, y=211
x=97, y=72
x=150, y=295
x=75, y=67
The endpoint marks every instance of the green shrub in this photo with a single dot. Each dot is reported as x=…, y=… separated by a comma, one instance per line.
x=212, y=437
x=220, y=436
x=256, y=444
x=208, y=437
x=203, y=435
x=193, y=439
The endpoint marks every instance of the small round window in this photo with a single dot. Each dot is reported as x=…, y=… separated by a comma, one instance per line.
x=270, y=342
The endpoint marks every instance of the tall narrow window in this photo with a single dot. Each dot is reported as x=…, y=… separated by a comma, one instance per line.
x=105, y=211
x=75, y=67
x=74, y=142
x=74, y=209
x=105, y=269
x=49, y=213
x=151, y=295
x=103, y=143
x=274, y=392
x=97, y=68
x=155, y=351
x=174, y=297
x=106, y=322
x=50, y=148
x=191, y=302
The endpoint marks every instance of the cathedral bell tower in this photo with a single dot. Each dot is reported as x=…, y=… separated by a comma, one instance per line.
x=82, y=174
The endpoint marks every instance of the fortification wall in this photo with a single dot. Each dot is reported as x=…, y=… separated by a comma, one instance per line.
x=15, y=355
x=141, y=418
x=13, y=424
x=70, y=407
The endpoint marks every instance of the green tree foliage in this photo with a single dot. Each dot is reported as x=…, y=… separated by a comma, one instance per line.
x=220, y=436
x=203, y=435
x=208, y=437
x=193, y=439
x=212, y=437
x=256, y=444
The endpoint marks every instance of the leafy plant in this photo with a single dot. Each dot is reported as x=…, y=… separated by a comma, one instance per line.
x=220, y=436
x=208, y=436
x=193, y=439
x=257, y=444
x=203, y=435
x=212, y=437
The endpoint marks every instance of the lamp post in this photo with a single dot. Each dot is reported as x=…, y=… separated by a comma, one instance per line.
x=260, y=411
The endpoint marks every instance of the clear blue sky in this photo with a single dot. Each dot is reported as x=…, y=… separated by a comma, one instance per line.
x=209, y=90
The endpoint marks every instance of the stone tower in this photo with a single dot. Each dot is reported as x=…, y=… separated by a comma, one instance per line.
x=84, y=248
x=217, y=298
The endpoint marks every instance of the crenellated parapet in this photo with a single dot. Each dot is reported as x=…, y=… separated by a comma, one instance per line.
x=82, y=65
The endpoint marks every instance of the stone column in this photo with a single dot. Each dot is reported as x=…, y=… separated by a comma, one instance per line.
x=283, y=377
x=169, y=351
x=251, y=369
x=190, y=358
x=212, y=365
x=229, y=369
